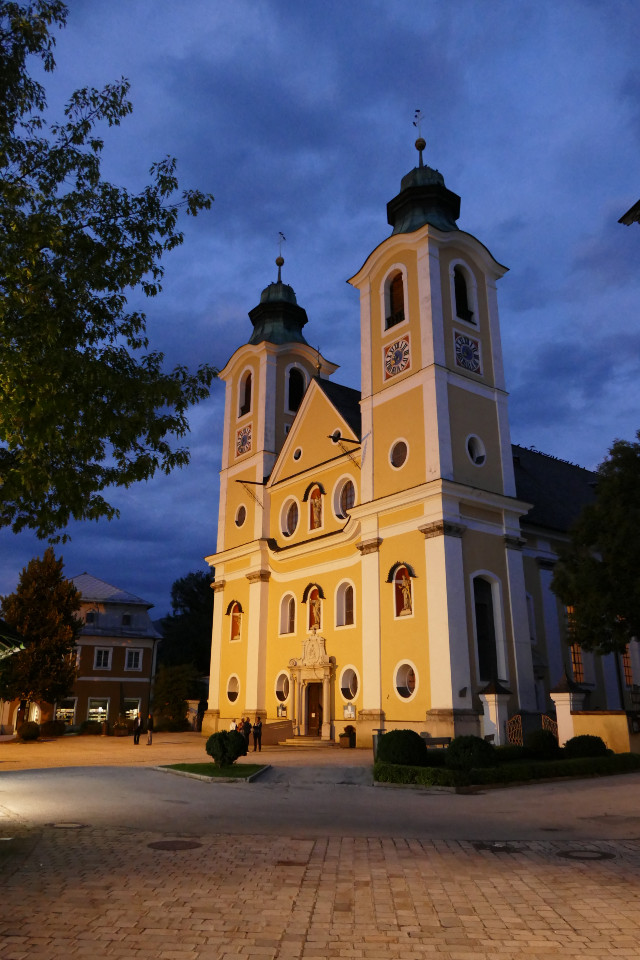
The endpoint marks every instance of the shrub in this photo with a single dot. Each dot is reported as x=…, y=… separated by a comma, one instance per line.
x=226, y=746
x=404, y=747
x=585, y=745
x=53, y=728
x=542, y=745
x=92, y=727
x=468, y=753
x=421, y=776
x=29, y=730
x=510, y=753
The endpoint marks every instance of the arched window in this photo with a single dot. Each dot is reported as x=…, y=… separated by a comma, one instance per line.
x=245, y=395
x=288, y=614
x=394, y=301
x=485, y=630
x=290, y=518
x=345, y=499
x=403, y=595
x=296, y=388
x=315, y=609
x=236, y=621
x=462, y=295
x=344, y=605
x=315, y=509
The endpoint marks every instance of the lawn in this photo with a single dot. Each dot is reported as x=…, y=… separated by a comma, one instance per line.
x=236, y=771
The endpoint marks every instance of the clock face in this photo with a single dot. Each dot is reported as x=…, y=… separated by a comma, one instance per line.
x=397, y=357
x=243, y=440
x=467, y=353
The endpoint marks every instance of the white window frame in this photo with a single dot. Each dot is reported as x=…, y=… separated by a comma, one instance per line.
x=340, y=607
x=355, y=671
x=241, y=391
x=337, y=494
x=106, y=700
x=472, y=293
x=499, y=625
x=284, y=615
x=396, y=670
x=108, y=651
x=129, y=653
x=384, y=298
x=305, y=378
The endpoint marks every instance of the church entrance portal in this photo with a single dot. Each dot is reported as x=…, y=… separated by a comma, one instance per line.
x=314, y=709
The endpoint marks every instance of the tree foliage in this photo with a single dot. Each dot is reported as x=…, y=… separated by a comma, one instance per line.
x=42, y=612
x=187, y=631
x=84, y=404
x=598, y=574
x=173, y=686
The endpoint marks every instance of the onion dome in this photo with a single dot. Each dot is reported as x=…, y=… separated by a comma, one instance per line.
x=278, y=318
x=423, y=198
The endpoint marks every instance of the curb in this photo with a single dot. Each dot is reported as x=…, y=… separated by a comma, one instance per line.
x=200, y=776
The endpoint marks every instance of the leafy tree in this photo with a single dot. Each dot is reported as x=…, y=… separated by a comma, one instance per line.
x=172, y=688
x=42, y=612
x=187, y=631
x=598, y=574
x=83, y=404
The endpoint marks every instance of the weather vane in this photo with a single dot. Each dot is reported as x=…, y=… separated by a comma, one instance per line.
x=280, y=259
x=421, y=143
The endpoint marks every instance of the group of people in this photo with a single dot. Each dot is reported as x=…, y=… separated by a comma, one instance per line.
x=246, y=728
x=138, y=726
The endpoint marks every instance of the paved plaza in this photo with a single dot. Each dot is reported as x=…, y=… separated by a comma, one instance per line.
x=117, y=859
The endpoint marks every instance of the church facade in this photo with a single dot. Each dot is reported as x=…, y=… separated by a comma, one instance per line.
x=375, y=565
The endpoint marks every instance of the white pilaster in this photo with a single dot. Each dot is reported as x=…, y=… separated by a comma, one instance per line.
x=257, y=639
x=216, y=644
x=517, y=599
x=371, y=654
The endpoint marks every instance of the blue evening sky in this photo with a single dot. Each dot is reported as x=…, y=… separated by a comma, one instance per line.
x=297, y=117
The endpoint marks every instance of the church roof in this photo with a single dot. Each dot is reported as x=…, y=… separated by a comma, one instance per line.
x=91, y=588
x=346, y=400
x=423, y=198
x=558, y=490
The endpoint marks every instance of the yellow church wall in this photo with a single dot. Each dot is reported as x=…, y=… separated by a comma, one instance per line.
x=233, y=653
x=381, y=338
x=391, y=422
x=475, y=416
x=478, y=331
x=236, y=497
x=404, y=639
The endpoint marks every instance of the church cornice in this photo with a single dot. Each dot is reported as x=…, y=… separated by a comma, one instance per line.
x=442, y=528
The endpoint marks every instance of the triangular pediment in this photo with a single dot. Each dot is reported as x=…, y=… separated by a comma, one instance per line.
x=326, y=425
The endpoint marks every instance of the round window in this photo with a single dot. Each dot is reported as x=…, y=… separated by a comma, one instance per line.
x=335, y=436
x=290, y=518
x=241, y=516
x=349, y=684
x=282, y=687
x=476, y=451
x=297, y=453
x=398, y=455
x=233, y=689
x=406, y=681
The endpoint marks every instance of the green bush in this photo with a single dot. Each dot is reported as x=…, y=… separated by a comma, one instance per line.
x=91, y=727
x=53, y=728
x=510, y=753
x=402, y=746
x=226, y=746
x=585, y=745
x=29, y=730
x=468, y=753
x=542, y=745
x=422, y=776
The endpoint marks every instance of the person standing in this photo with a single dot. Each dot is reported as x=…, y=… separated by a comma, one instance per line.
x=246, y=730
x=257, y=735
x=149, y=729
x=233, y=725
x=137, y=728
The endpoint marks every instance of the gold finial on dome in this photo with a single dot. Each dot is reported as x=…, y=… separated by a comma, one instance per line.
x=280, y=259
x=420, y=142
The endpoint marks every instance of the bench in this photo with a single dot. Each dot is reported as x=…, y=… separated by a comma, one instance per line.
x=440, y=742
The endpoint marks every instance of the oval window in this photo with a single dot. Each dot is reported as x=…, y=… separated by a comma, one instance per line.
x=290, y=520
x=282, y=687
x=405, y=681
x=476, y=451
x=233, y=689
x=297, y=453
x=399, y=452
x=241, y=516
x=349, y=684
x=347, y=498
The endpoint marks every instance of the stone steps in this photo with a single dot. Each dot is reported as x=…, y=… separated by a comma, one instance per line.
x=307, y=742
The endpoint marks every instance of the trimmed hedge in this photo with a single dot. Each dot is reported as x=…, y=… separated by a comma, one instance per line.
x=468, y=752
x=509, y=772
x=30, y=730
x=226, y=746
x=586, y=745
x=404, y=747
x=541, y=745
x=53, y=728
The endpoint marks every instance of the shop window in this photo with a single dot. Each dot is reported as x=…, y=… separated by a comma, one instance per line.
x=288, y=614
x=66, y=710
x=133, y=660
x=296, y=387
x=315, y=509
x=98, y=709
x=394, y=300
x=245, y=394
x=131, y=707
x=403, y=594
x=344, y=605
x=102, y=658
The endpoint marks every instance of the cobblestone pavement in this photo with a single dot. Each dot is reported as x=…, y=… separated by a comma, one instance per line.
x=72, y=892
